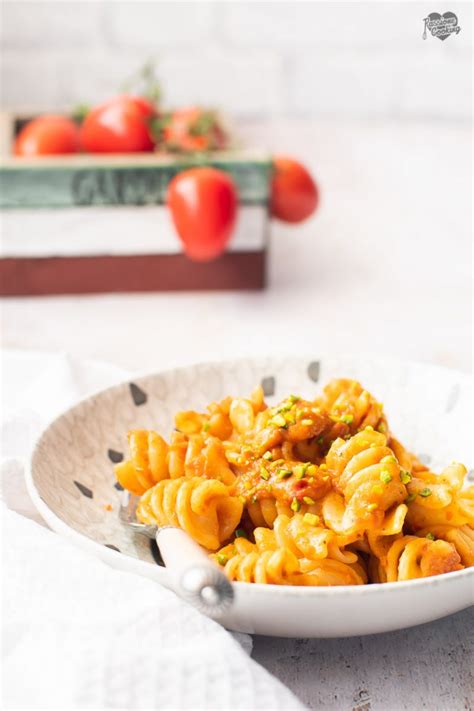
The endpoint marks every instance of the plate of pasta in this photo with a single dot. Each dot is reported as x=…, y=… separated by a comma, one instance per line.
x=334, y=492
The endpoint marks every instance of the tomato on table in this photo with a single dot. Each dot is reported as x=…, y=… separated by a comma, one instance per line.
x=119, y=125
x=203, y=205
x=47, y=135
x=294, y=193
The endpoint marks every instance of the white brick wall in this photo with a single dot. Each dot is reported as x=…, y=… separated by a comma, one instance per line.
x=341, y=59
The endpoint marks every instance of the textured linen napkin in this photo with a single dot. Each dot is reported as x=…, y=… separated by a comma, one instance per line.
x=78, y=634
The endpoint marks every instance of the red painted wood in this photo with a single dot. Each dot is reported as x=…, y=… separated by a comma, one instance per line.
x=21, y=276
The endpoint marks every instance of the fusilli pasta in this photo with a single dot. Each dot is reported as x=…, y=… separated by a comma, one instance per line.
x=204, y=508
x=306, y=492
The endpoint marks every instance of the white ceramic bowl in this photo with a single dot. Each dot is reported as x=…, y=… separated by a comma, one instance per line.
x=71, y=480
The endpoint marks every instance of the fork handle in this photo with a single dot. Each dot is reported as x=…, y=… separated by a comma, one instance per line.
x=197, y=579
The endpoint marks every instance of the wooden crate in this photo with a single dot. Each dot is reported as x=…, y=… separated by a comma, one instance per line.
x=82, y=224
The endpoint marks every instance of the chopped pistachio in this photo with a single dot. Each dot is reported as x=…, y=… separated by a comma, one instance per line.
x=264, y=474
x=312, y=469
x=322, y=466
x=405, y=476
x=410, y=498
x=206, y=427
x=310, y=518
x=248, y=485
x=253, y=499
x=348, y=419
x=377, y=489
x=320, y=440
x=299, y=471
x=284, y=473
x=308, y=500
x=240, y=533
x=385, y=476
x=370, y=428
x=221, y=559
x=372, y=507
x=294, y=398
x=307, y=422
x=295, y=505
x=425, y=492
x=430, y=536
x=268, y=456
x=279, y=421
x=381, y=428
x=388, y=458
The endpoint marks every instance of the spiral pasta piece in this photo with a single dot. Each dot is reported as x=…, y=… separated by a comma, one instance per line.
x=266, y=562
x=322, y=560
x=461, y=537
x=347, y=399
x=412, y=557
x=302, y=535
x=244, y=562
x=328, y=572
x=198, y=455
x=264, y=511
x=203, y=508
x=147, y=463
x=367, y=476
x=440, y=499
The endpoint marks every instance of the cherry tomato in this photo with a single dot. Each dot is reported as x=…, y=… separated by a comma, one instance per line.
x=203, y=204
x=47, y=135
x=294, y=194
x=193, y=129
x=120, y=125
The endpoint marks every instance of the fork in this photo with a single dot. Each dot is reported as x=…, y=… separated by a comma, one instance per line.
x=195, y=578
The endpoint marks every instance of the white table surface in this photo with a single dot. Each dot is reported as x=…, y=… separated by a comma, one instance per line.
x=384, y=268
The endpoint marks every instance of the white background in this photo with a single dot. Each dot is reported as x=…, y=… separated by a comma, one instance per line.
x=351, y=59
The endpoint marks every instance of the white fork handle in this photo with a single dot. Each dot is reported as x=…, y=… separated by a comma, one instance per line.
x=196, y=578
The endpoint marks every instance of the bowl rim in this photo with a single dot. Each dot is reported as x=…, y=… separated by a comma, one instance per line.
x=143, y=567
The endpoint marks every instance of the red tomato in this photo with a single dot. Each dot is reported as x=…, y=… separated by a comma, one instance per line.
x=203, y=204
x=193, y=129
x=47, y=135
x=294, y=194
x=119, y=125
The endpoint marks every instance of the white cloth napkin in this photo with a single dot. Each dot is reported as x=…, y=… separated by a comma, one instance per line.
x=78, y=634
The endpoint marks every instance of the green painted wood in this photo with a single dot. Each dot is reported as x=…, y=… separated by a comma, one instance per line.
x=82, y=185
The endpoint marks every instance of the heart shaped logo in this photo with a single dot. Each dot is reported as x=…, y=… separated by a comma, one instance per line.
x=441, y=26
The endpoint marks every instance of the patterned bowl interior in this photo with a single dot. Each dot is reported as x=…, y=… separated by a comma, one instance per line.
x=428, y=408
